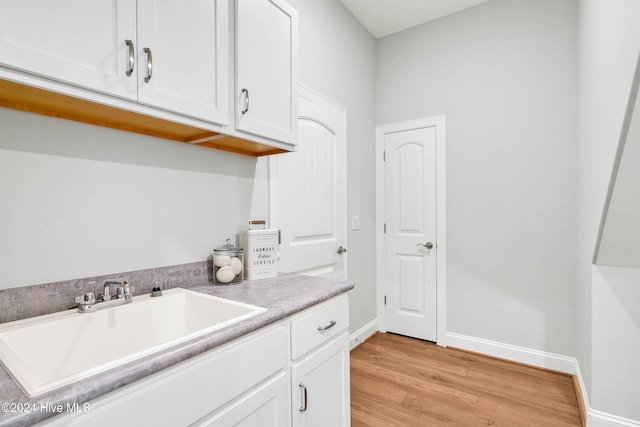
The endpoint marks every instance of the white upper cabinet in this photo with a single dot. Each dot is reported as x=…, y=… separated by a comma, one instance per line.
x=183, y=57
x=266, y=69
x=74, y=41
x=205, y=68
x=169, y=54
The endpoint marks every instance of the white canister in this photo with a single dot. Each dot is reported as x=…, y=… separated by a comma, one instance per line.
x=261, y=248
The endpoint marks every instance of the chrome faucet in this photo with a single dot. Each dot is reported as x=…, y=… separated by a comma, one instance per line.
x=88, y=303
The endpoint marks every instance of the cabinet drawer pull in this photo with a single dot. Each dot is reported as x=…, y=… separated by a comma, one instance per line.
x=303, y=404
x=245, y=110
x=329, y=326
x=149, y=64
x=132, y=57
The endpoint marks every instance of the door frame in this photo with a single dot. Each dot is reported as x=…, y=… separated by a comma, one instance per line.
x=441, y=220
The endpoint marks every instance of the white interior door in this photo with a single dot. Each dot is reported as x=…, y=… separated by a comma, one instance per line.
x=410, y=240
x=308, y=191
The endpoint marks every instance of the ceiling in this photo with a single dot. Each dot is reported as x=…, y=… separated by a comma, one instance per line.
x=384, y=17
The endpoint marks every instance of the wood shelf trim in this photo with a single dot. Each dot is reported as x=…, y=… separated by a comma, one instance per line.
x=30, y=99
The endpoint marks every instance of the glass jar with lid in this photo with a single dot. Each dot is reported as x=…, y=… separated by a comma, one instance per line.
x=228, y=264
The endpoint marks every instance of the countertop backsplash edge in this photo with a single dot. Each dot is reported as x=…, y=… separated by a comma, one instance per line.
x=35, y=300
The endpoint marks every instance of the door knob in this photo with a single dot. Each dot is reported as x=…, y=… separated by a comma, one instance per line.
x=341, y=250
x=427, y=245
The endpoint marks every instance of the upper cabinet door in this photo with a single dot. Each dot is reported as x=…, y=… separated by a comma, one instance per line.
x=266, y=69
x=183, y=57
x=74, y=41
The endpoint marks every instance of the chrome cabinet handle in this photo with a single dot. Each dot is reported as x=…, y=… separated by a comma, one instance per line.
x=132, y=57
x=427, y=245
x=341, y=250
x=303, y=404
x=328, y=326
x=245, y=110
x=149, y=64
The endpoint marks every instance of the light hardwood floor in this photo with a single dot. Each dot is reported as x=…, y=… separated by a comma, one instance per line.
x=400, y=381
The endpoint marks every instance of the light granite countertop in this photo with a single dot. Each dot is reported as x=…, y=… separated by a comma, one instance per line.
x=282, y=296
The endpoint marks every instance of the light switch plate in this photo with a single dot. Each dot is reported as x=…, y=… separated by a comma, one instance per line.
x=355, y=223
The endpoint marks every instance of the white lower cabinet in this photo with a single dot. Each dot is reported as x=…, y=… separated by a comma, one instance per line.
x=321, y=386
x=193, y=390
x=295, y=372
x=320, y=366
x=267, y=406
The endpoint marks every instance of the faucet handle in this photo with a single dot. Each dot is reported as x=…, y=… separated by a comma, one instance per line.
x=127, y=290
x=87, y=298
x=85, y=301
x=106, y=296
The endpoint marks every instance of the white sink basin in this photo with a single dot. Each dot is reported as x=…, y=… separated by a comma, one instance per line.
x=50, y=351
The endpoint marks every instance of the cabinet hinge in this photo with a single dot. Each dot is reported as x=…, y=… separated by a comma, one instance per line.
x=385, y=228
x=384, y=156
x=385, y=300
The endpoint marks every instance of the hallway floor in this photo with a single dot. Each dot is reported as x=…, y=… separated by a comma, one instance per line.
x=401, y=381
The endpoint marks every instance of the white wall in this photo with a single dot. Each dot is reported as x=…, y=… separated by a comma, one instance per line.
x=504, y=74
x=79, y=200
x=608, y=297
x=337, y=60
x=615, y=376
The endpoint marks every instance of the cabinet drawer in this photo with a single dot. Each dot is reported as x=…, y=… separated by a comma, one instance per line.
x=319, y=325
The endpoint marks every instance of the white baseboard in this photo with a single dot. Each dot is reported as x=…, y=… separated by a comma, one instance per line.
x=602, y=419
x=515, y=353
x=359, y=336
x=545, y=360
x=597, y=418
